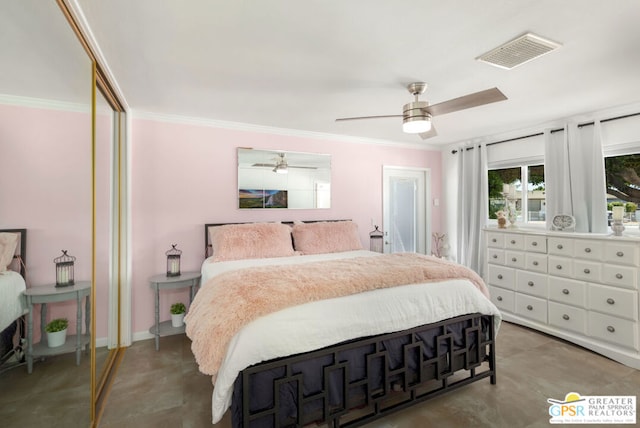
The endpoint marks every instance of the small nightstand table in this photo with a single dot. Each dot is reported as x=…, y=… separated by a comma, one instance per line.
x=51, y=294
x=164, y=282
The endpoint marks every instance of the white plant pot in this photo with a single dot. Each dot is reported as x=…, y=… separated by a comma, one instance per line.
x=177, y=320
x=57, y=338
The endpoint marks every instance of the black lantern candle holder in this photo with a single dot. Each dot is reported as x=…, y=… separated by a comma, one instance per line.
x=173, y=261
x=64, y=269
x=375, y=240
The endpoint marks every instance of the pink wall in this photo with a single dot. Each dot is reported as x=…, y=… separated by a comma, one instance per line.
x=45, y=187
x=184, y=176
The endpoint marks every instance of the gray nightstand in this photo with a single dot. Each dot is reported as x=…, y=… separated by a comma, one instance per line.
x=164, y=282
x=51, y=294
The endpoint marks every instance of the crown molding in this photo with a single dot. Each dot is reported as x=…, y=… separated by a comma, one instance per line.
x=247, y=127
x=44, y=103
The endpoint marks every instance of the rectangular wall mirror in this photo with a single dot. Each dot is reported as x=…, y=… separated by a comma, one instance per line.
x=269, y=179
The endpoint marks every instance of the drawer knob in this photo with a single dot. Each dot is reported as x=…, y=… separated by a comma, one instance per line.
x=559, y=267
x=530, y=283
x=513, y=241
x=495, y=256
x=587, y=271
x=619, y=275
x=619, y=254
x=534, y=244
x=610, y=301
x=513, y=259
x=499, y=298
x=499, y=276
x=535, y=263
x=565, y=317
x=610, y=329
x=494, y=240
x=560, y=247
x=587, y=250
x=565, y=291
x=529, y=307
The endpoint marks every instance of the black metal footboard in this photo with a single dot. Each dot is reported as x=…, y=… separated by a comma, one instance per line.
x=356, y=382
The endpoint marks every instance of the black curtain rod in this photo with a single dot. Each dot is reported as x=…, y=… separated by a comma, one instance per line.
x=453, y=152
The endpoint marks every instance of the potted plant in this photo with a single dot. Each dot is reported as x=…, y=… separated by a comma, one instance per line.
x=177, y=314
x=56, y=332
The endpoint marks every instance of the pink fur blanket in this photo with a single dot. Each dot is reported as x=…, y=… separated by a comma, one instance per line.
x=233, y=299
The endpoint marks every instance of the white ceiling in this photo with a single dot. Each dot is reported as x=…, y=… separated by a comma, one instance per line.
x=300, y=64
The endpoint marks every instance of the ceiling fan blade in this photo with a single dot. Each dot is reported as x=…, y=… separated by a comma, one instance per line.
x=342, y=119
x=477, y=99
x=429, y=134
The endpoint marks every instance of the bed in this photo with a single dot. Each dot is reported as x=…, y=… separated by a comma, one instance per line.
x=12, y=306
x=298, y=325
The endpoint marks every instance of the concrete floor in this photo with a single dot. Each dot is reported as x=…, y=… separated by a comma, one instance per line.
x=165, y=388
x=56, y=394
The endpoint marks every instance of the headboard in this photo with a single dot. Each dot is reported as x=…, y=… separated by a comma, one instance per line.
x=207, y=244
x=19, y=263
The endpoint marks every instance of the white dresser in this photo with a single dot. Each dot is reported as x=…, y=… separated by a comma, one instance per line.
x=579, y=287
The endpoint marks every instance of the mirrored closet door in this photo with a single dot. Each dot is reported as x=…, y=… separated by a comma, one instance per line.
x=59, y=141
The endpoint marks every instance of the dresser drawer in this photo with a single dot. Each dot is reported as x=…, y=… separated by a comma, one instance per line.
x=514, y=242
x=561, y=266
x=495, y=240
x=621, y=252
x=560, y=246
x=536, y=262
x=613, y=329
x=613, y=301
x=536, y=244
x=502, y=277
x=590, y=250
x=531, y=283
x=589, y=271
x=568, y=317
x=504, y=299
x=514, y=259
x=568, y=291
x=620, y=276
x=531, y=307
x=495, y=256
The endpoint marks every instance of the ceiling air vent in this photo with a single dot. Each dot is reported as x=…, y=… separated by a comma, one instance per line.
x=518, y=51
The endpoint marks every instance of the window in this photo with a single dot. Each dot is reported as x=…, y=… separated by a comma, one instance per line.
x=623, y=185
x=505, y=184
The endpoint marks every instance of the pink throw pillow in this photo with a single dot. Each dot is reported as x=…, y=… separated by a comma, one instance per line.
x=250, y=241
x=326, y=237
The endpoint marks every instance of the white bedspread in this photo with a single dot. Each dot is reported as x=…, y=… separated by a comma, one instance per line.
x=11, y=300
x=322, y=323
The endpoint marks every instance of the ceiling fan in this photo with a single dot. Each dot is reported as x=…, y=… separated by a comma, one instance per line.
x=281, y=166
x=416, y=115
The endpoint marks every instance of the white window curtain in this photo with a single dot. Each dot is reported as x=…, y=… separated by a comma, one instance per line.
x=473, y=206
x=574, y=177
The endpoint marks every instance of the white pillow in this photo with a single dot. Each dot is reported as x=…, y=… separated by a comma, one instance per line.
x=8, y=244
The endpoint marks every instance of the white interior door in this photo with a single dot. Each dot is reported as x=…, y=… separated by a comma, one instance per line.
x=406, y=217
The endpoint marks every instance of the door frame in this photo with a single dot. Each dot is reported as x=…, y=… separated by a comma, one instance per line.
x=426, y=221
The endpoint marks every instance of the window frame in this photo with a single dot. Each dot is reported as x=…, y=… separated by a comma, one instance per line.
x=524, y=165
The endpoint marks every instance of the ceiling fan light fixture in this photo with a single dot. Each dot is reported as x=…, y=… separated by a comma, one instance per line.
x=416, y=125
x=281, y=168
x=415, y=119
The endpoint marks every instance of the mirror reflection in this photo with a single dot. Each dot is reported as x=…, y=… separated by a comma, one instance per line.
x=283, y=179
x=45, y=136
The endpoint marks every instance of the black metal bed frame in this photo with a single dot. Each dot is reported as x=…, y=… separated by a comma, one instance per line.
x=20, y=256
x=401, y=386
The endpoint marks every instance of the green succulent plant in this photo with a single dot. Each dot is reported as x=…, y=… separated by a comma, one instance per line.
x=178, y=308
x=57, y=324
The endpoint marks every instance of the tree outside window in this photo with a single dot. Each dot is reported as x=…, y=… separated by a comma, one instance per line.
x=623, y=184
